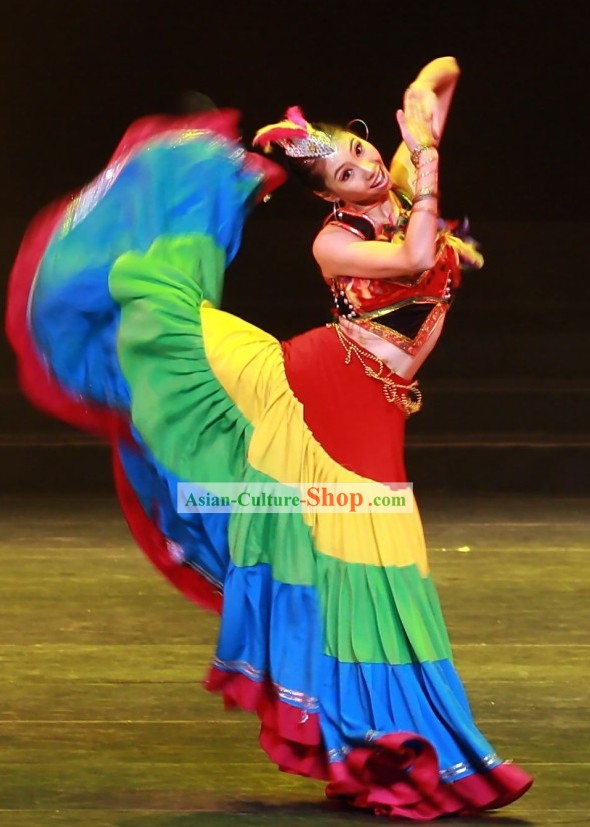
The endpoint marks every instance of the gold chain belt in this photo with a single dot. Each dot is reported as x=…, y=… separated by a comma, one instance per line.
x=408, y=398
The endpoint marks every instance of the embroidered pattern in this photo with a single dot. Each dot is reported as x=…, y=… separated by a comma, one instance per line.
x=290, y=696
x=177, y=554
x=451, y=774
x=410, y=346
x=335, y=755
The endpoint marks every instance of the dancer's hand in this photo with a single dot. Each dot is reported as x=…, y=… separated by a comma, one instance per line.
x=421, y=102
x=418, y=119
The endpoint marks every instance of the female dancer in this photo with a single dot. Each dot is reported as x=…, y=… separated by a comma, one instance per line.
x=330, y=628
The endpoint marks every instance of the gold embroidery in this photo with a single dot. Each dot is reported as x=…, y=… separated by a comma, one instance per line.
x=409, y=346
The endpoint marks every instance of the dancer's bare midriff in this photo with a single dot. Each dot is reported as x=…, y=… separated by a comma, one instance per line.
x=403, y=364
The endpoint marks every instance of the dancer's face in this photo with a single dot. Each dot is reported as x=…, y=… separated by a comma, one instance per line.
x=356, y=173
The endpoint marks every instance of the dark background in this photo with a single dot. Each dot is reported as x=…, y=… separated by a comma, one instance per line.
x=75, y=75
x=513, y=362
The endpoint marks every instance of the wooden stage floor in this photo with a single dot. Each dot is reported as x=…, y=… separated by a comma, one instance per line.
x=103, y=720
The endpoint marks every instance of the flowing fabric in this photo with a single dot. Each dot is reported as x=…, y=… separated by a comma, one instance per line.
x=331, y=629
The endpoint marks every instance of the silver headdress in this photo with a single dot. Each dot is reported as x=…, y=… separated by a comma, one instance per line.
x=296, y=136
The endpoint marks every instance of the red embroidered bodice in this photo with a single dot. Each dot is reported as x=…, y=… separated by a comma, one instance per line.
x=403, y=311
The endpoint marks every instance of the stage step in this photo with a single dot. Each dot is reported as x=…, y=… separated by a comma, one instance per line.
x=485, y=437
x=445, y=463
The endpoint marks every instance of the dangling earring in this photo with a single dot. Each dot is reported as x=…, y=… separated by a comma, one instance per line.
x=358, y=120
x=335, y=207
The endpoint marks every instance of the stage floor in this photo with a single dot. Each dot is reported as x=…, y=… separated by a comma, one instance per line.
x=103, y=720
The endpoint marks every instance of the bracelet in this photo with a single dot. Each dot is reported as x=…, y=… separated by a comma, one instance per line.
x=422, y=196
x=431, y=160
x=426, y=174
x=417, y=152
x=431, y=210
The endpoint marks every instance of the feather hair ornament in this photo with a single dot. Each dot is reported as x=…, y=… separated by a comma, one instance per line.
x=296, y=136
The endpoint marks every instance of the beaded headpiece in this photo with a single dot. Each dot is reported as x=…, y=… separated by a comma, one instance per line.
x=296, y=136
